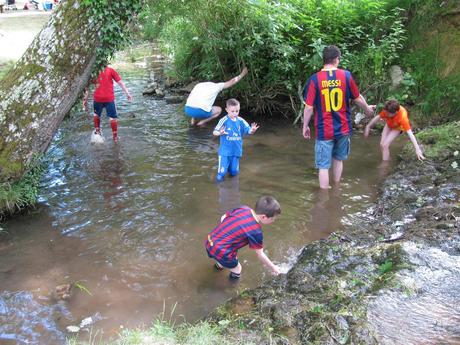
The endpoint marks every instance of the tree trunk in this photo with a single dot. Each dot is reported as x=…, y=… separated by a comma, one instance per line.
x=43, y=85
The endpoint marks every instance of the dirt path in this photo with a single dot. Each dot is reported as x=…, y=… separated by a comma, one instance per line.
x=17, y=30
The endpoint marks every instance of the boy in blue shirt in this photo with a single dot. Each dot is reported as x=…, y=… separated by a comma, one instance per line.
x=231, y=129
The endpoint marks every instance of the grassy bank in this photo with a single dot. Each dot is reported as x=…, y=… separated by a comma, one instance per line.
x=165, y=333
x=22, y=194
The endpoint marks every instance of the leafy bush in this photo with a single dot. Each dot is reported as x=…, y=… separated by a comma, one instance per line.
x=280, y=41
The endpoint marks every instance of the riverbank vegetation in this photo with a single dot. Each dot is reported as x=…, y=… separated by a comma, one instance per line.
x=281, y=43
x=166, y=333
x=17, y=196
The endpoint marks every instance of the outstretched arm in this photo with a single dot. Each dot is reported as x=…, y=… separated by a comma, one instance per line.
x=361, y=102
x=233, y=81
x=307, y=113
x=266, y=261
x=370, y=125
x=125, y=90
x=85, y=99
x=418, y=151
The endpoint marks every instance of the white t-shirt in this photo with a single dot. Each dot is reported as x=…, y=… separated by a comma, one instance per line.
x=203, y=95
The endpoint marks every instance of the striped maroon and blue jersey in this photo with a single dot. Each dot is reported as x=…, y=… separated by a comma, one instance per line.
x=330, y=92
x=238, y=229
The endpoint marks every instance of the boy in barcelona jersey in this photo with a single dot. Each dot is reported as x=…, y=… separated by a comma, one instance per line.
x=231, y=129
x=328, y=93
x=238, y=228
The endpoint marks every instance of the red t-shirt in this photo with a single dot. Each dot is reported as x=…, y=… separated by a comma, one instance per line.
x=104, y=88
x=399, y=122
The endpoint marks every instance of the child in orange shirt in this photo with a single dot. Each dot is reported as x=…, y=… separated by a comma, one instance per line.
x=397, y=121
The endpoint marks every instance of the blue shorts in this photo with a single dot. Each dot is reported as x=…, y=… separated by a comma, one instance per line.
x=110, y=109
x=197, y=113
x=325, y=150
x=227, y=263
x=229, y=164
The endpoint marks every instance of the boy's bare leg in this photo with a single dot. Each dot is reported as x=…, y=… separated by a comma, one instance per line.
x=215, y=112
x=388, y=135
x=323, y=175
x=235, y=272
x=337, y=168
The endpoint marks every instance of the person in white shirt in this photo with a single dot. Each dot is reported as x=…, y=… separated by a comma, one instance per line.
x=200, y=103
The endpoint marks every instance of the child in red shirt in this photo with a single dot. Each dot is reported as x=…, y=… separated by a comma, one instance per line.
x=397, y=121
x=104, y=97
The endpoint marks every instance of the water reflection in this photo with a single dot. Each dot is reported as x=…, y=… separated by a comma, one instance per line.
x=326, y=213
x=112, y=169
x=229, y=193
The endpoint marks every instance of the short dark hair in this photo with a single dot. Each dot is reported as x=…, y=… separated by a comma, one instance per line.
x=330, y=53
x=232, y=102
x=268, y=206
x=392, y=106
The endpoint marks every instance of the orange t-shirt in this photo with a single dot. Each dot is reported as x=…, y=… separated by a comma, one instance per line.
x=400, y=121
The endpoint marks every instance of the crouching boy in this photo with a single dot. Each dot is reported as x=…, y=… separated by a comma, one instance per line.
x=238, y=228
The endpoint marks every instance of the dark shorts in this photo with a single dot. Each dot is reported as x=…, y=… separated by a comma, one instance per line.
x=110, y=109
x=325, y=150
x=197, y=113
x=227, y=263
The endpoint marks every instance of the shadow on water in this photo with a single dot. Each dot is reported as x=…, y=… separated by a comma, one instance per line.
x=129, y=220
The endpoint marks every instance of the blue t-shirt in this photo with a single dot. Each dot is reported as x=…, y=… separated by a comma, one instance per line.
x=231, y=143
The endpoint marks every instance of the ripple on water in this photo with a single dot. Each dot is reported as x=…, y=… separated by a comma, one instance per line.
x=25, y=321
x=429, y=312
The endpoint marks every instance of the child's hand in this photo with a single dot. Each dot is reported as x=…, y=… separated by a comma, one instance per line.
x=306, y=132
x=254, y=128
x=370, y=110
x=222, y=131
x=419, y=154
x=276, y=271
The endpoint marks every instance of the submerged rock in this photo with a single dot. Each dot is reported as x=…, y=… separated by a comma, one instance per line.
x=174, y=99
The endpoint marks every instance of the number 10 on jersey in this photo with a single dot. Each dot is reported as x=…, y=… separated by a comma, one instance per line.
x=333, y=98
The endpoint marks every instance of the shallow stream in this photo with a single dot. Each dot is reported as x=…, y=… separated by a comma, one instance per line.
x=127, y=221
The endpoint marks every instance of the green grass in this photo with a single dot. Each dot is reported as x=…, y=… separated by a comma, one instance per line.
x=5, y=67
x=17, y=196
x=166, y=333
x=441, y=141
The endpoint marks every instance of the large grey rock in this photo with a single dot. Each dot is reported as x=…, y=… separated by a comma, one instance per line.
x=396, y=76
x=174, y=99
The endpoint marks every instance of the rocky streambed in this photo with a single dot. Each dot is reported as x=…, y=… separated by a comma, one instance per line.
x=392, y=277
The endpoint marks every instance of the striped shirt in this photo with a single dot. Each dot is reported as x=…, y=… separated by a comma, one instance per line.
x=238, y=229
x=330, y=91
